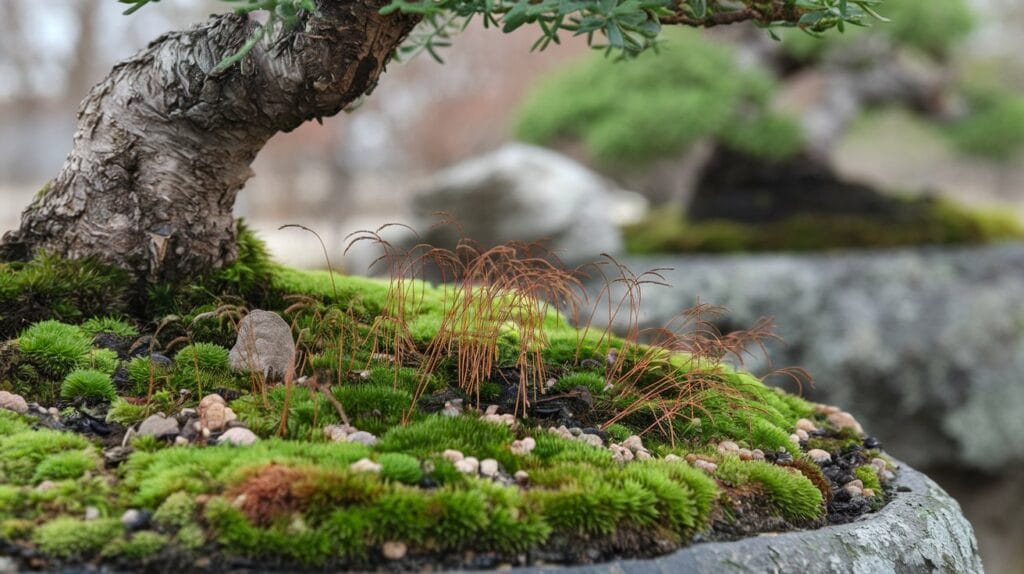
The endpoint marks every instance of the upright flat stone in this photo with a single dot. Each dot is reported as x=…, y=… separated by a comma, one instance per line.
x=264, y=345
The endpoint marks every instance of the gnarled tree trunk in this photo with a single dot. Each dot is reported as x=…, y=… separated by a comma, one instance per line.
x=163, y=146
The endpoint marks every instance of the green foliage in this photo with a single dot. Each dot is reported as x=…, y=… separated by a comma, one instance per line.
x=552, y=449
x=202, y=356
x=51, y=287
x=69, y=537
x=88, y=385
x=434, y=434
x=102, y=360
x=177, y=511
x=792, y=493
x=142, y=371
x=400, y=467
x=65, y=465
x=21, y=453
x=933, y=28
x=631, y=113
x=139, y=546
x=55, y=347
x=941, y=222
x=869, y=477
x=112, y=325
x=124, y=413
x=593, y=382
x=994, y=130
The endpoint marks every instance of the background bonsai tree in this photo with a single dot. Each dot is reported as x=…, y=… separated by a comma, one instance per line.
x=165, y=141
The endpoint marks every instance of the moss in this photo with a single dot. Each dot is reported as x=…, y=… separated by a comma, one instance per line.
x=11, y=423
x=792, y=494
x=50, y=287
x=138, y=546
x=65, y=465
x=21, y=453
x=593, y=382
x=374, y=408
x=177, y=511
x=124, y=413
x=552, y=448
x=69, y=537
x=869, y=477
x=939, y=221
x=143, y=372
x=110, y=325
x=103, y=360
x=202, y=356
x=190, y=537
x=88, y=385
x=400, y=467
x=16, y=530
x=55, y=347
x=436, y=433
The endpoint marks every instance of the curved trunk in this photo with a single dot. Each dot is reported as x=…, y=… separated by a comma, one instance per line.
x=163, y=146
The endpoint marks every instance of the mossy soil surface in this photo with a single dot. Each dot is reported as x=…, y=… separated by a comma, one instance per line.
x=619, y=449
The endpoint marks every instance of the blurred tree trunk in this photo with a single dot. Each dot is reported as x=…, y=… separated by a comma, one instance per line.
x=163, y=146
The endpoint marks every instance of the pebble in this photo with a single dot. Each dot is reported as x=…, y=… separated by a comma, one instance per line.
x=180, y=441
x=853, y=490
x=134, y=519
x=489, y=467
x=794, y=438
x=673, y=457
x=708, y=467
x=210, y=400
x=362, y=437
x=92, y=513
x=45, y=486
x=13, y=402
x=879, y=464
x=745, y=454
x=806, y=425
x=633, y=443
x=856, y=482
x=643, y=455
x=158, y=426
x=620, y=454
x=238, y=436
x=523, y=447
x=845, y=421
x=591, y=439
x=452, y=455
x=365, y=465
x=521, y=476
x=728, y=447
x=802, y=434
x=869, y=493
x=394, y=550
x=757, y=454
x=338, y=433
x=451, y=410
x=887, y=476
x=468, y=465
x=819, y=456
x=214, y=417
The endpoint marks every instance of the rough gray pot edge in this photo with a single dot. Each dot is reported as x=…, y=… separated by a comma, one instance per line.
x=922, y=530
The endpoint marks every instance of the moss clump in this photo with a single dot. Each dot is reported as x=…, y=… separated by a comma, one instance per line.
x=55, y=347
x=143, y=373
x=70, y=537
x=869, y=477
x=109, y=325
x=400, y=467
x=202, y=356
x=138, y=546
x=593, y=382
x=88, y=385
x=50, y=287
x=177, y=511
x=66, y=465
x=792, y=494
x=436, y=433
x=22, y=453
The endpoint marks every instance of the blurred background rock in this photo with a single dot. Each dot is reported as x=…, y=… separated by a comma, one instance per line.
x=864, y=190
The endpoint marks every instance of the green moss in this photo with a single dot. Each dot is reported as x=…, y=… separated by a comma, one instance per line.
x=436, y=433
x=552, y=448
x=143, y=372
x=88, y=385
x=11, y=423
x=869, y=477
x=374, y=408
x=202, y=356
x=124, y=413
x=54, y=346
x=65, y=465
x=138, y=546
x=593, y=382
x=792, y=494
x=103, y=360
x=190, y=537
x=177, y=511
x=995, y=130
x=70, y=537
x=50, y=287
x=21, y=453
x=111, y=325
x=400, y=467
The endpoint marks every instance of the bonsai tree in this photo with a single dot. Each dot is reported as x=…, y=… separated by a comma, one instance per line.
x=165, y=141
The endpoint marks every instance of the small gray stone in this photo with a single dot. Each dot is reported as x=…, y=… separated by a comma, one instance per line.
x=362, y=437
x=238, y=436
x=264, y=345
x=92, y=513
x=135, y=519
x=158, y=426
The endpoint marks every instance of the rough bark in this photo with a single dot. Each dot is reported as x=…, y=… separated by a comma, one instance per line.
x=162, y=146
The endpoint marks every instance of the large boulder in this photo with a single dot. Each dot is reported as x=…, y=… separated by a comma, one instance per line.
x=527, y=193
x=925, y=346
